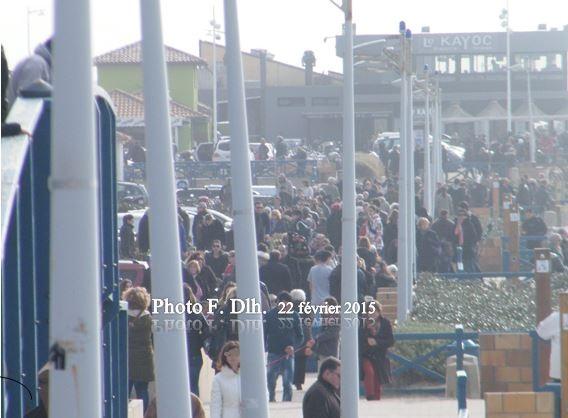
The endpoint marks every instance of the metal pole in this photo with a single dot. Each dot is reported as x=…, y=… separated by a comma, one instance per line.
x=509, y=122
x=427, y=169
x=171, y=361
x=531, y=120
x=349, y=342
x=214, y=106
x=435, y=160
x=402, y=259
x=28, y=27
x=440, y=169
x=411, y=194
x=253, y=367
x=75, y=322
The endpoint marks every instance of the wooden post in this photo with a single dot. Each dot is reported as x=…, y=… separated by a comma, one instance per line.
x=543, y=304
x=564, y=352
x=495, y=197
x=514, y=236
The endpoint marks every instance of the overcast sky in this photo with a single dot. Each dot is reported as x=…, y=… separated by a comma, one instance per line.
x=284, y=27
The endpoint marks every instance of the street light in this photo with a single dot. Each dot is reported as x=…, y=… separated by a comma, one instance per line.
x=532, y=139
x=504, y=16
x=215, y=27
x=36, y=12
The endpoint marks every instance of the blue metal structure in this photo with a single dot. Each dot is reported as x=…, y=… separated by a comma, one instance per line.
x=191, y=171
x=25, y=257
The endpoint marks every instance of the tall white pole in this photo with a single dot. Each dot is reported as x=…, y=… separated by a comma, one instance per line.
x=349, y=342
x=28, y=31
x=214, y=106
x=435, y=160
x=411, y=182
x=75, y=322
x=253, y=365
x=171, y=360
x=531, y=120
x=427, y=168
x=403, y=186
x=509, y=119
x=440, y=169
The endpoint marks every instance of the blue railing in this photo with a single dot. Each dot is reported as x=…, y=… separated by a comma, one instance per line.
x=191, y=171
x=455, y=346
x=26, y=166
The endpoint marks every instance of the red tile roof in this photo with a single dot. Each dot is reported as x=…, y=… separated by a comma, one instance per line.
x=132, y=54
x=131, y=106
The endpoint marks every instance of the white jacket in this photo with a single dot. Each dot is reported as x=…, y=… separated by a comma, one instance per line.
x=226, y=394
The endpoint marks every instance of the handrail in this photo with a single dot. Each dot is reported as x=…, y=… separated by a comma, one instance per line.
x=14, y=150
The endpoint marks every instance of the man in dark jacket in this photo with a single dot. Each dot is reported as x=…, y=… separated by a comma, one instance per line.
x=127, y=249
x=428, y=247
x=322, y=398
x=276, y=275
x=468, y=233
x=213, y=230
x=444, y=227
x=533, y=226
x=261, y=222
x=283, y=330
x=217, y=259
x=198, y=226
x=334, y=225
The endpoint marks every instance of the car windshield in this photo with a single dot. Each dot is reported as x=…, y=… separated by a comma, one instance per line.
x=224, y=146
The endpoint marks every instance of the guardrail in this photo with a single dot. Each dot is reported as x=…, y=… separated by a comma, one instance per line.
x=191, y=171
x=455, y=346
x=26, y=167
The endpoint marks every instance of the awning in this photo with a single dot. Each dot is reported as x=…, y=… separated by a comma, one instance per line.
x=339, y=115
x=523, y=111
x=493, y=111
x=455, y=114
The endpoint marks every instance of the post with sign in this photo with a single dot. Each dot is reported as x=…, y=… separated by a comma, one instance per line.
x=511, y=230
x=543, y=305
x=564, y=351
x=506, y=211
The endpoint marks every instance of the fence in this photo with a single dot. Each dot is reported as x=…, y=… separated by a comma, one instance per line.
x=192, y=171
x=26, y=167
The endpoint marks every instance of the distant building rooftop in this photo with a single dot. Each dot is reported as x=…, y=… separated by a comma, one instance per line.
x=132, y=54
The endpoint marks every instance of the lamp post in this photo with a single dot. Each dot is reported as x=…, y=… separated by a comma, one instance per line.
x=504, y=16
x=75, y=322
x=172, y=366
x=349, y=321
x=30, y=12
x=254, y=400
x=427, y=168
x=532, y=139
x=214, y=28
x=411, y=203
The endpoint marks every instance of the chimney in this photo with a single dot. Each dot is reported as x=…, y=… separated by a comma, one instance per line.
x=309, y=61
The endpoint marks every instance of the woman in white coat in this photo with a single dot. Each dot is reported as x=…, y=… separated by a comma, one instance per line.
x=226, y=388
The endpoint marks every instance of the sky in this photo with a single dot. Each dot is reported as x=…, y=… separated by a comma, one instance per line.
x=286, y=28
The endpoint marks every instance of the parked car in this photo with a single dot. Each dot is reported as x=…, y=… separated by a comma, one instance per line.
x=204, y=151
x=223, y=151
x=255, y=145
x=131, y=196
x=454, y=154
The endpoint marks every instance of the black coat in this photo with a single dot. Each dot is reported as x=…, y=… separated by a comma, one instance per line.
x=211, y=233
x=144, y=234
x=334, y=229
x=197, y=230
x=321, y=401
x=127, y=249
x=534, y=226
x=276, y=276
x=445, y=229
x=262, y=225
x=377, y=354
x=428, y=249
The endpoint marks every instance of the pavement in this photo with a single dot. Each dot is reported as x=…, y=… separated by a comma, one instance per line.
x=390, y=407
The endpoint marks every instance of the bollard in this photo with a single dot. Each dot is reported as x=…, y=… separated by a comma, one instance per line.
x=459, y=259
x=543, y=305
x=461, y=389
x=459, y=347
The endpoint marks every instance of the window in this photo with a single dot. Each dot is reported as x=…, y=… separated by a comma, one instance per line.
x=446, y=64
x=325, y=101
x=291, y=101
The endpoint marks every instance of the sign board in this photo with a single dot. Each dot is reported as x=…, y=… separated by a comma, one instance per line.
x=514, y=217
x=542, y=266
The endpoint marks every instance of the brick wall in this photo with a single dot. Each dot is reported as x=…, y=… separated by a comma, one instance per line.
x=519, y=405
x=505, y=362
